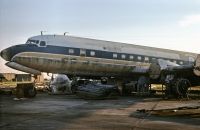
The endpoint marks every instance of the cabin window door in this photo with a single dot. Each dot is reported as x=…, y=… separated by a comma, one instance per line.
x=114, y=55
x=146, y=59
x=123, y=56
x=131, y=57
x=92, y=53
x=71, y=51
x=82, y=52
x=139, y=58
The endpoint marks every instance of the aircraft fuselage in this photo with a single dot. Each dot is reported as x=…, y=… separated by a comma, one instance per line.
x=87, y=57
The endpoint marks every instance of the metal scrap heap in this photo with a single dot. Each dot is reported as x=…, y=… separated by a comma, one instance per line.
x=97, y=91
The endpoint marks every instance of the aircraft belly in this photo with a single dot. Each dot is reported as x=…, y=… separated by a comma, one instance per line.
x=54, y=63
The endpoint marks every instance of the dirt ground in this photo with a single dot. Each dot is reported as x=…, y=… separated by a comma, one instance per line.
x=68, y=112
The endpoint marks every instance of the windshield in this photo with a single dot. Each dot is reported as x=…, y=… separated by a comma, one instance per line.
x=32, y=41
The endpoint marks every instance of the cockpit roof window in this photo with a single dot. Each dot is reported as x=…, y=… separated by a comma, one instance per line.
x=32, y=42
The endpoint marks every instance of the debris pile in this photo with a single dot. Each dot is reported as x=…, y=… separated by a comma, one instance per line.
x=193, y=111
x=97, y=91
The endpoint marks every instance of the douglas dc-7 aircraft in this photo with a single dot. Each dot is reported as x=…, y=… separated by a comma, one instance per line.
x=90, y=58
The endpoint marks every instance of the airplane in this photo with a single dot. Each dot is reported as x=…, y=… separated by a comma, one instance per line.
x=91, y=58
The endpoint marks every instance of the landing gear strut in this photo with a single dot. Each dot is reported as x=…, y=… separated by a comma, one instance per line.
x=143, y=86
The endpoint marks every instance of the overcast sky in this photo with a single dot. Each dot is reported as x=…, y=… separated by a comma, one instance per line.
x=172, y=24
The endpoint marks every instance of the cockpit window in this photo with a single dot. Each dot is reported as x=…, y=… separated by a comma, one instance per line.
x=37, y=41
x=32, y=42
x=42, y=43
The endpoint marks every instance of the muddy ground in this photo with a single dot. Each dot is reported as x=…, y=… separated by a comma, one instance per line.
x=68, y=112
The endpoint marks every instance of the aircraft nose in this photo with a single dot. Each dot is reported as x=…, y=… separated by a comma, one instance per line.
x=1, y=53
x=5, y=54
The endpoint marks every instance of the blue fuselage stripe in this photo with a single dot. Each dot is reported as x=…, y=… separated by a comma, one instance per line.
x=98, y=54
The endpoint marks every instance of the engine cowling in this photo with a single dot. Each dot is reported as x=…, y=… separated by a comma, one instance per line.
x=197, y=66
x=158, y=66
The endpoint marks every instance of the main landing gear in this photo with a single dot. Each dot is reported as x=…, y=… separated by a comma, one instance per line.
x=176, y=87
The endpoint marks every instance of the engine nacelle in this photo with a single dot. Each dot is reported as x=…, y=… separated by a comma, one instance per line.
x=197, y=66
x=167, y=67
x=157, y=66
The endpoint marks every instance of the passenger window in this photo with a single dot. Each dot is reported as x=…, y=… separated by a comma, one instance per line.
x=71, y=51
x=123, y=56
x=37, y=42
x=82, y=52
x=181, y=62
x=114, y=55
x=42, y=43
x=131, y=57
x=92, y=53
x=139, y=58
x=146, y=59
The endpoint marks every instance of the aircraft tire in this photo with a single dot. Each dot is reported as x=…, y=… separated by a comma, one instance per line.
x=182, y=86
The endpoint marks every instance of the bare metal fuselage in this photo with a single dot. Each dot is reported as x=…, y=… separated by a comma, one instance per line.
x=55, y=57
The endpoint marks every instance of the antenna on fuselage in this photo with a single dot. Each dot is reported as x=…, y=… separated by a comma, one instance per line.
x=41, y=32
x=66, y=33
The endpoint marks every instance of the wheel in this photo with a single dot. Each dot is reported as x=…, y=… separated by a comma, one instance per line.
x=182, y=86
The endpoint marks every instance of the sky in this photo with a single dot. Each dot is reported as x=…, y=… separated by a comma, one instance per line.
x=170, y=24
